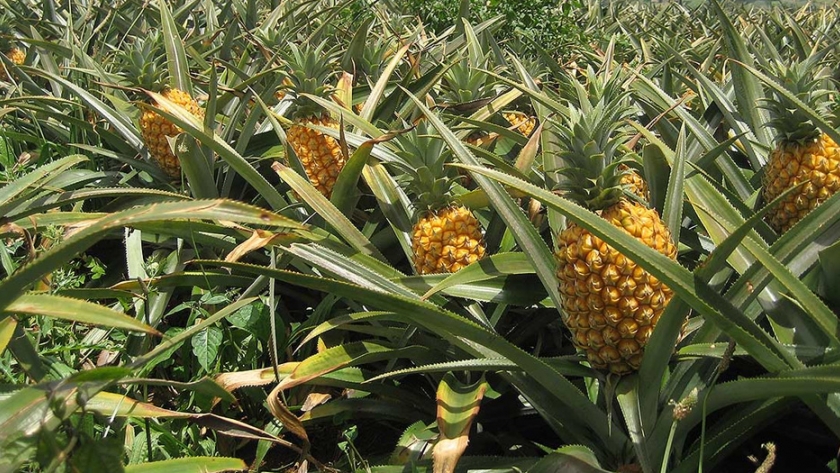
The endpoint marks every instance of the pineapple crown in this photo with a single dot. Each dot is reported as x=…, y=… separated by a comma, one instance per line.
x=370, y=60
x=606, y=85
x=423, y=158
x=7, y=34
x=143, y=63
x=309, y=69
x=465, y=86
x=792, y=125
x=367, y=53
x=592, y=138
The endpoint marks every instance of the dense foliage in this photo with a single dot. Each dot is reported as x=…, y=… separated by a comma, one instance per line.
x=355, y=235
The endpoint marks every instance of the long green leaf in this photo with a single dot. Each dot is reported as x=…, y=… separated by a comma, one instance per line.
x=192, y=125
x=579, y=411
x=176, y=58
x=223, y=210
x=75, y=310
x=189, y=465
x=337, y=220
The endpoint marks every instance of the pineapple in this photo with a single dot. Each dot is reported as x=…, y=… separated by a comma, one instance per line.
x=14, y=54
x=143, y=68
x=446, y=239
x=447, y=236
x=803, y=154
x=634, y=183
x=320, y=154
x=610, y=304
x=523, y=123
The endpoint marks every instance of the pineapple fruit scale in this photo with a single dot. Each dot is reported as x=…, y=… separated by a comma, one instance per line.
x=320, y=154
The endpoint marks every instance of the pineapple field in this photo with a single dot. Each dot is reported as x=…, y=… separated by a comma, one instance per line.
x=425, y=236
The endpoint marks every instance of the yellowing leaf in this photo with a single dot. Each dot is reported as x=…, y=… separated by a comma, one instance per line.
x=259, y=239
x=458, y=405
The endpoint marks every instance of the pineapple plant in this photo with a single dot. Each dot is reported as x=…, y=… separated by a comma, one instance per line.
x=447, y=236
x=803, y=154
x=610, y=304
x=465, y=90
x=142, y=67
x=320, y=154
x=14, y=54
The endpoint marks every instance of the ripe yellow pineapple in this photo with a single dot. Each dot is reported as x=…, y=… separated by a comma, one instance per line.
x=634, y=183
x=142, y=67
x=319, y=154
x=446, y=240
x=610, y=304
x=523, y=123
x=447, y=236
x=14, y=54
x=155, y=130
x=803, y=154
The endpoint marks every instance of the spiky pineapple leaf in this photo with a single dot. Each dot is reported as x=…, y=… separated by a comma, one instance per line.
x=818, y=119
x=725, y=105
x=24, y=187
x=342, y=320
x=344, y=195
x=196, y=167
x=457, y=406
x=703, y=132
x=333, y=216
x=747, y=89
x=120, y=121
x=570, y=459
x=800, y=382
x=195, y=128
x=176, y=58
x=672, y=214
x=46, y=262
x=377, y=409
x=348, y=354
x=486, y=268
x=189, y=465
x=45, y=202
x=565, y=367
x=542, y=383
x=394, y=203
x=379, y=88
x=184, y=279
x=7, y=329
x=75, y=310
